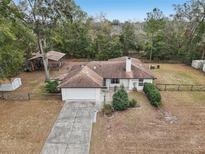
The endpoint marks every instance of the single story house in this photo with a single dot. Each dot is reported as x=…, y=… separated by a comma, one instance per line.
x=97, y=80
x=55, y=60
x=10, y=85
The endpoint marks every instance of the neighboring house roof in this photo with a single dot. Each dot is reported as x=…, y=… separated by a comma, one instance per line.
x=51, y=55
x=93, y=73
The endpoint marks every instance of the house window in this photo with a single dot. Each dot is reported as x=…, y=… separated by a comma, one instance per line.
x=115, y=81
x=141, y=82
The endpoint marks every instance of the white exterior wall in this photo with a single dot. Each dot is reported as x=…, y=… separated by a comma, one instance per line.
x=83, y=94
x=99, y=100
x=203, y=68
x=16, y=83
x=80, y=94
x=128, y=83
x=124, y=82
x=136, y=81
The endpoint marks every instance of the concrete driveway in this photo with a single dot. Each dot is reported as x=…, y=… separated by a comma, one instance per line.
x=71, y=132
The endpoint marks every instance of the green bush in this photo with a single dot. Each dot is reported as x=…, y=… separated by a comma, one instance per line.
x=153, y=94
x=107, y=109
x=120, y=100
x=51, y=86
x=132, y=103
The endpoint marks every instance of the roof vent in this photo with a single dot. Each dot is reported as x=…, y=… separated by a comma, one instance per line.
x=94, y=67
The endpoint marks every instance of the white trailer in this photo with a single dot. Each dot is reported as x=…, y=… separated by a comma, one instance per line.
x=203, y=68
x=198, y=64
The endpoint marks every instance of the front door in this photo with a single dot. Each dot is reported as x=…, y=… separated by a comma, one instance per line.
x=135, y=85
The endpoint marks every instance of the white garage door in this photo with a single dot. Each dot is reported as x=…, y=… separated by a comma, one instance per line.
x=79, y=93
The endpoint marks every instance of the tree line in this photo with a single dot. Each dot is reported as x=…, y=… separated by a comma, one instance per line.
x=41, y=25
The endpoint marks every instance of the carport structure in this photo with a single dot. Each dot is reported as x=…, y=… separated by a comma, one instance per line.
x=55, y=60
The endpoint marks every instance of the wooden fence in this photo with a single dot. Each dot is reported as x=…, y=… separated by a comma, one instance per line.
x=180, y=87
x=29, y=96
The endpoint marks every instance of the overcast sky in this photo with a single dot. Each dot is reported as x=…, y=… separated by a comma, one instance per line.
x=127, y=9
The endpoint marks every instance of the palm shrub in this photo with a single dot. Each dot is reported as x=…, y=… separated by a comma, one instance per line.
x=107, y=109
x=153, y=94
x=132, y=103
x=51, y=86
x=120, y=100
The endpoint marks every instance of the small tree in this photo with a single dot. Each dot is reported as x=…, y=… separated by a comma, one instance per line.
x=51, y=86
x=120, y=100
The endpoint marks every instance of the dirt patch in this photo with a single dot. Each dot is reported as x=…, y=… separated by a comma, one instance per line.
x=168, y=116
x=146, y=130
x=26, y=125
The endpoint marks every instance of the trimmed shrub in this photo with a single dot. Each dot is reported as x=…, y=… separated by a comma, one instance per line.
x=132, y=103
x=120, y=100
x=153, y=94
x=51, y=86
x=107, y=109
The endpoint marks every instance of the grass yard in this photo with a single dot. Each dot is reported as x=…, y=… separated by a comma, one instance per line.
x=178, y=127
x=24, y=126
x=178, y=74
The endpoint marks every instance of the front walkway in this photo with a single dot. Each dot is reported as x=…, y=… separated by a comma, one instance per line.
x=71, y=132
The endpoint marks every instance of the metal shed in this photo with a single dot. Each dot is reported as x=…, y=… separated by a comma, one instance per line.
x=198, y=64
x=203, y=68
x=10, y=85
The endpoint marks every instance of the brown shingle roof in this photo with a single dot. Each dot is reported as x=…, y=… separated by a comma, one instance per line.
x=84, y=78
x=116, y=69
x=51, y=55
x=93, y=73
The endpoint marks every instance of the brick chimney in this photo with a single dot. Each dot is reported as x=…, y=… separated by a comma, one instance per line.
x=128, y=64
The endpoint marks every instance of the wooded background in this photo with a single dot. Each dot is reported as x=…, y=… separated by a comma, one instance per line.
x=40, y=25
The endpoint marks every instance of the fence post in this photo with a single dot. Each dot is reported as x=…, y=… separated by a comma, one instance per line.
x=192, y=87
x=3, y=95
x=178, y=87
x=29, y=97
